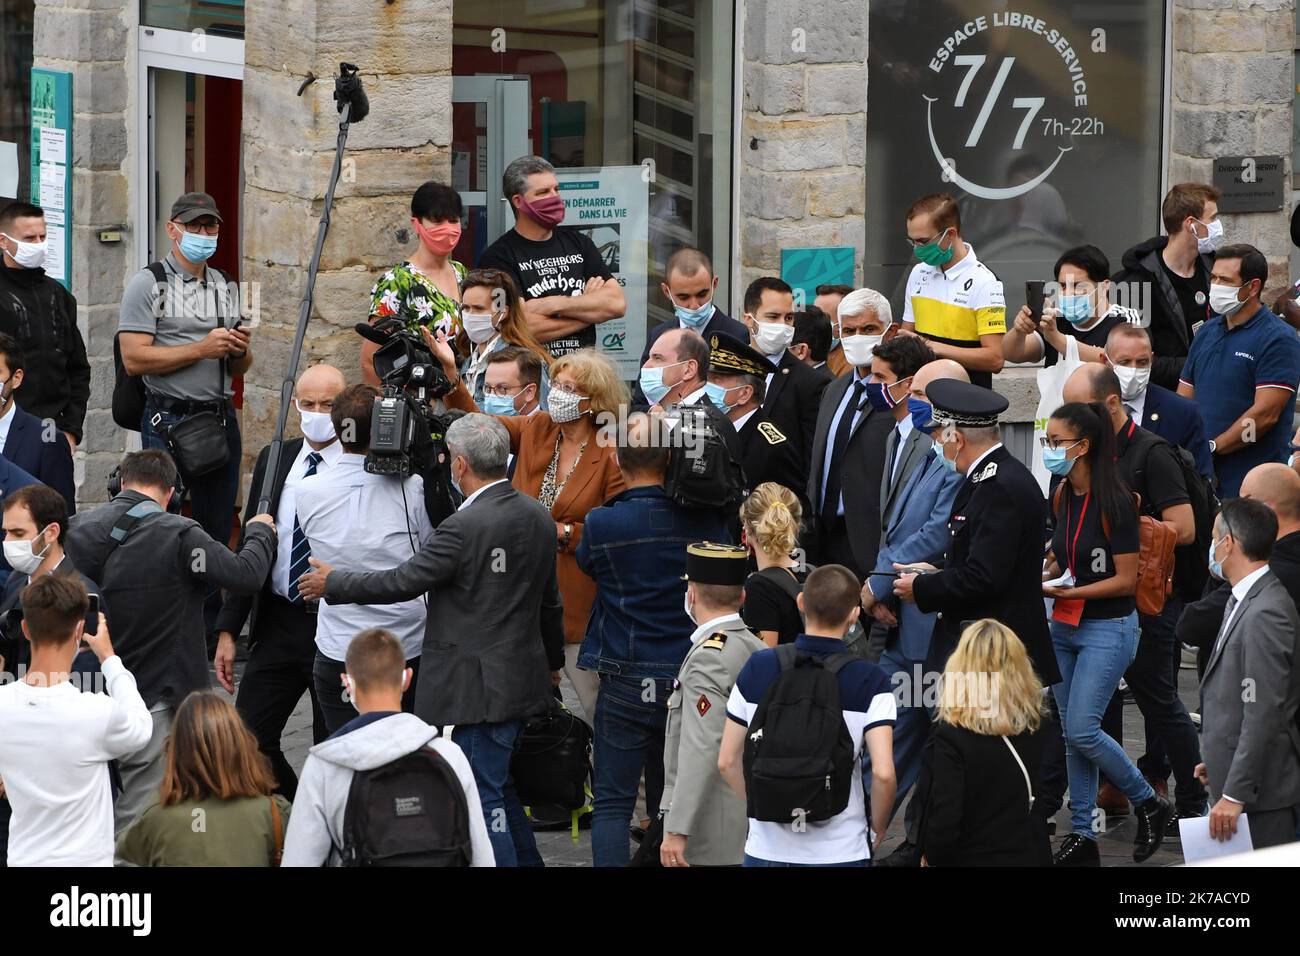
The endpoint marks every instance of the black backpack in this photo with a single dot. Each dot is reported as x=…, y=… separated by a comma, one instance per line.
x=410, y=812
x=798, y=752
x=702, y=473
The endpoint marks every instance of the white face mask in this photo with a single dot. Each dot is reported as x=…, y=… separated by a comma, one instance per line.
x=478, y=327
x=22, y=558
x=1132, y=381
x=563, y=406
x=317, y=426
x=1213, y=237
x=1223, y=299
x=686, y=604
x=858, y=348
x=29, y=255
x=773, y=337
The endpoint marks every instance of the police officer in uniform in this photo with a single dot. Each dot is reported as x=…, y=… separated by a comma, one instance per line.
x=704, y=822
x=993, y=566
x=737, y=382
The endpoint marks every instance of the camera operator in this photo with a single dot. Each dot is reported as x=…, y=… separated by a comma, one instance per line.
x=155, y=569
x=354, y=520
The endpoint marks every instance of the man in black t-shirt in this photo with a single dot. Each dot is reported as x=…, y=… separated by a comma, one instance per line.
x=1147, y=464
x=567, y=287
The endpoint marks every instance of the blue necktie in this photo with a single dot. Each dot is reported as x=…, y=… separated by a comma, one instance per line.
x=298, y=565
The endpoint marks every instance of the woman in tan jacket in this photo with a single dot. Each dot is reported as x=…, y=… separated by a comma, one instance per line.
x=561, y=462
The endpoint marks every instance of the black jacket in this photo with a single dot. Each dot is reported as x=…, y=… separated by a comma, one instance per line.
x=42, y=316
x=1168, y=326
x=792, y=401
x=155, y=582
x=768, y=454
x=978, y=808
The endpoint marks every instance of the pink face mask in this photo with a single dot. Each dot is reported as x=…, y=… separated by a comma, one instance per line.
x=547, y=211
x=440, y=239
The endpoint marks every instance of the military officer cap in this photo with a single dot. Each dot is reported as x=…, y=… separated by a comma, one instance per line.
x=962, y=404
x=730, y=356
x=709, y=563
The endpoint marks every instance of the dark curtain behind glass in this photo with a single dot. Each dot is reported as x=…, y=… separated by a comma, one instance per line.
x=16, y=17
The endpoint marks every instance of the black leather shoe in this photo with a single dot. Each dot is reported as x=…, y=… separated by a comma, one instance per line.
x=1172, y=832
x=1077, y=850
x=905, y=854
x=1152, y=818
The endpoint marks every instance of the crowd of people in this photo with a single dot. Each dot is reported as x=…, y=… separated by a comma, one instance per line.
x=876, y=610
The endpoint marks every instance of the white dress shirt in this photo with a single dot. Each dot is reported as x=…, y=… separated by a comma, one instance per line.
x=976, y=463
x=1138, y=406
x=708, y=627
x=739, y=423
x=694, y=397
x=288, y=510
x=775, y=360
x=470, y=500
x=6, y=421
x=904, y=428
x=355, y=521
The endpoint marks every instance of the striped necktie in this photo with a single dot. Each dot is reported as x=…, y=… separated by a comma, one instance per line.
x=298, y=564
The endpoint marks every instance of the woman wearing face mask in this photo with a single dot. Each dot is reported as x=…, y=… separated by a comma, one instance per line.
x=492, y=318
x=560, y=462
x=1094, y=626
x=1080, y=308
x=424, y=291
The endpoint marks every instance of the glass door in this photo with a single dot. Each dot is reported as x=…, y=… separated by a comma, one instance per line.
x=489, y=129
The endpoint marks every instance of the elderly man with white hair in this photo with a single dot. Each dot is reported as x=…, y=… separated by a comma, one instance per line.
x=848, y=453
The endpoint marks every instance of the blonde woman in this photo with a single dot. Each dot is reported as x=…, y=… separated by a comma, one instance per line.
x=561, y=463
x=769, y=526
x=987, y=749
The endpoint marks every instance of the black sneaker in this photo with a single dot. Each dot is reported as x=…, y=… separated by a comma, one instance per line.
x=1152, y=818
x=1172, y=831
x=1077, y=850
x=905, y=854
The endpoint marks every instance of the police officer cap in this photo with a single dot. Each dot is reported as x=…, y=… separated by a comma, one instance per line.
x=709, y=563
x=731, y=356
x=962, y=404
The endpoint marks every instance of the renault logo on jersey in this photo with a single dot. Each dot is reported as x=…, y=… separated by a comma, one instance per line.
x=969, y=283
x=981, y=93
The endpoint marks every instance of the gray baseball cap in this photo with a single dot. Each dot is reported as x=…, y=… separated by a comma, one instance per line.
x=193, y=205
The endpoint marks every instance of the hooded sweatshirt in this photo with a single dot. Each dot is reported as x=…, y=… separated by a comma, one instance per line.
x=315, y=832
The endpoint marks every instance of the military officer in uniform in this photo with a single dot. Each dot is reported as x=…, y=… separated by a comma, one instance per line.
x=737, y=382
x=704, y=822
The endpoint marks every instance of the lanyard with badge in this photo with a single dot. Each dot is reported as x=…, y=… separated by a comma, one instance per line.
x=1070, y=610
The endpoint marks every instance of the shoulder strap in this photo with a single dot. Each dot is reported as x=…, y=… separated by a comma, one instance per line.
x=279, y=831
x=1056, y=498
x=1021, y=764
x=130, y=518
x=839, y=660
x=786, y=655
x=783, y=578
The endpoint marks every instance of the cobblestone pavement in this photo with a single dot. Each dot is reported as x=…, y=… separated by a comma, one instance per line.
x=558, y=848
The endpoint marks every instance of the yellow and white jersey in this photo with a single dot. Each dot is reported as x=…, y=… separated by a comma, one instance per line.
x=958, y=306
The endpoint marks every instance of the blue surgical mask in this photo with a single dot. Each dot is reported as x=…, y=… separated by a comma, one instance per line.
x=694, y=318
x=717, y=395
x=196, y=247
x=949, y=463
x=1077, y=309
x=498, y=404
x=1216, y=567
x=1054, y=460
x=920, y=413
x=652, y=382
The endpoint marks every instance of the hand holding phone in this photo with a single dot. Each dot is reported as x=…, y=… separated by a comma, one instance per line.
x=1035, y=296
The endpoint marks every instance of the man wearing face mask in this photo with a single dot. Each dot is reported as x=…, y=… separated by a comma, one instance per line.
x=282, y=629
x=674, y=372
x=568, y=289
x=1242, y=370
x=794, y=389
x=1082, y=311
x=1171, y=274
x=177, y=330
x=689, y=286
x=41, y=315
x=848, y=444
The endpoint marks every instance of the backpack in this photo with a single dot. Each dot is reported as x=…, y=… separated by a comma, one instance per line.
x=702, y=473
x=410, y=812
x=128, y=389
x=1156, y=541
x=799, y=757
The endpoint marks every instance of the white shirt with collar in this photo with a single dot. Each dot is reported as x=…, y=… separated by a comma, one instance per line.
x=976, y=463
x=288, y=510
x=904, y=428
x=470, y=500
x=7, y=421
x=708, y=627
x=1138, y=405
x=356, y=521
x=775, y=360
x=739, y=423
x=694, y=397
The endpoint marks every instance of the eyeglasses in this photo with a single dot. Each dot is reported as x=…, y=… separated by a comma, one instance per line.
x=211, y=229
x=503, y=391
x=1056, y=443
x=568, y=390
x=917, y=243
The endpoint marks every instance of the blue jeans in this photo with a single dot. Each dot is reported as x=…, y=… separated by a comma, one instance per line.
x=756, y=861
x=629, y=738
x=489, y=747
x=911, y=729
x=1092, y=657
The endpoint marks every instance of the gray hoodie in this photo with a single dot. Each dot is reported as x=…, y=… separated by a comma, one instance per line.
x=316, y=826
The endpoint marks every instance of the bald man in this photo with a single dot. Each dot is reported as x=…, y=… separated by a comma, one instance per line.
x=282, y=634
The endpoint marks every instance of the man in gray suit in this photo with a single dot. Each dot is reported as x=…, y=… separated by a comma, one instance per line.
x=494, y=639
x=1251, y=687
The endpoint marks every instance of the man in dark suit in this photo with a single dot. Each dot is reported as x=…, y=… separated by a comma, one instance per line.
x=494, y=639
x=282, y=629
x=1250, y=740
x=37, y=447
x=847, y=466
x=689, y=286
x=1174, y=418
x=794, y=389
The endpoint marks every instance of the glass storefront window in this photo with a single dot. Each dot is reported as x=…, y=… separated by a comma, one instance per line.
x=611, y=83
x=1025, y=112
x=16, y=19
x=218, y=17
